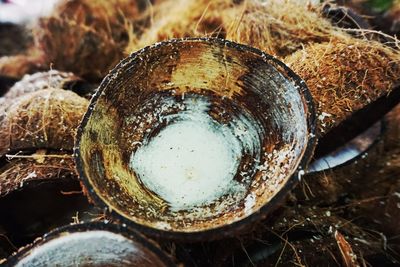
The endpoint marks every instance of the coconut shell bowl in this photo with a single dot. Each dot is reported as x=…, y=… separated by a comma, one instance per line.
x=91, y=244
x=195, y=139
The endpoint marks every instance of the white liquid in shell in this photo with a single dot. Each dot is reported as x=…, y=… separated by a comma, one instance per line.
x=193, y=161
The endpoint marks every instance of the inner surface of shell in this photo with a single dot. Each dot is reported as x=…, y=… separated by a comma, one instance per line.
x=89, y=248
x=191, y=135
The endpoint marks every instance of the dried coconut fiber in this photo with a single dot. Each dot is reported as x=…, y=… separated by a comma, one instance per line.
x=184, y=18
x=43, y=119
x=279, y=27
x=344, y=76
x=39, y=81
x=276, y=27
x=28, y=168
x=19, y=65
x=86, y=37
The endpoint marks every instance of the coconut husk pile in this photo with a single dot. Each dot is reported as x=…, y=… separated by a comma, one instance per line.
x=345, y=75
x=274, y=27
x=341, y=217
x=87, y=31
x=77, y=34
x=37, y=115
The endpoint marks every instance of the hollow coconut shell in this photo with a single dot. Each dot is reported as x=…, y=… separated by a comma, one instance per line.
x=43, y=119
x=86, y=37
x=108, y=133
x=344, y=76
x=91, y=244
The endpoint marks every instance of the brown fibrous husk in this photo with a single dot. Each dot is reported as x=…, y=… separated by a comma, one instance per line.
x=345, y=75
x=183, y=18
x=52, y=79
x=44, y=119
x=86, y=37
x=18, y=65
x=280, y=27
x=276, y=27
x=23, y=169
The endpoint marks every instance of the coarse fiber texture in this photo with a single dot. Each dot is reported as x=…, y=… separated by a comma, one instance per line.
x=343, y=76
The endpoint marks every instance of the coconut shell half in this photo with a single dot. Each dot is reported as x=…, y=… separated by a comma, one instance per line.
x=235, y=79
x=91, y=244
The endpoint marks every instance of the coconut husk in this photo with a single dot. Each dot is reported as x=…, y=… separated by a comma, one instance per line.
x=344, y=76
x=44, y=119
x=18, y=65
x=279, y=27
x=40, y=166
x=52, y=79
x=183, y=18
x=86, y=37
x=276, y=27
x=14, y=39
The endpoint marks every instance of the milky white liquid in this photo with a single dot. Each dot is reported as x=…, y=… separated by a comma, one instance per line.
x=193, y=160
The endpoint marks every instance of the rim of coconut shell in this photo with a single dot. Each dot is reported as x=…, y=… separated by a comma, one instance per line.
x=234, y=227
x=382, y=127
x=60, y=169
x=92, y=226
